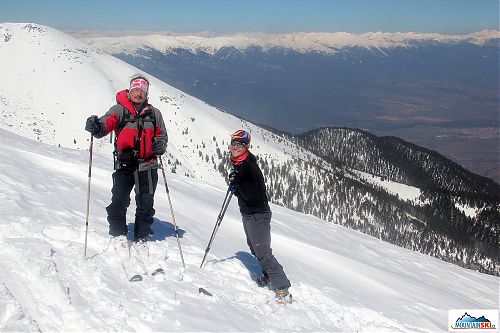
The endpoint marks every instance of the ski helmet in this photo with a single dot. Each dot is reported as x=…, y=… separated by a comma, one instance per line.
x=241, y=136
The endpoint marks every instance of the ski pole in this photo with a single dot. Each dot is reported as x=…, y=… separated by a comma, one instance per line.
x=88, y=197
x=225, y=203
x=172, y=212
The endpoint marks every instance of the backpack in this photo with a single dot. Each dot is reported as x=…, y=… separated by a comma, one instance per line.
x=127, y=159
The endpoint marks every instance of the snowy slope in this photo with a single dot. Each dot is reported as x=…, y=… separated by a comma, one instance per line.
x=342, y=280
x=323, y=42
x=52, y=83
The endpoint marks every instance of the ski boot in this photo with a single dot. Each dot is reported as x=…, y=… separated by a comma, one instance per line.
x=282, y=296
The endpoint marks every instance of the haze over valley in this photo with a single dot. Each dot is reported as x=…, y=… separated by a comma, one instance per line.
x=438, y=91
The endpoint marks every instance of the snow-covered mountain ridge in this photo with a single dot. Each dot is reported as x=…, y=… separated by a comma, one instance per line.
x=54, y=82
x=322, y=42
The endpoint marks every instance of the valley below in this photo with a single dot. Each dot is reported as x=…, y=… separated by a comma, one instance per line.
x=476, y=149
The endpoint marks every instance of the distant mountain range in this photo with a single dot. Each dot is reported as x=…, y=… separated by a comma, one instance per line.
x=432, y=84
x=371, y=81
x=385, y=187
x=303, y=42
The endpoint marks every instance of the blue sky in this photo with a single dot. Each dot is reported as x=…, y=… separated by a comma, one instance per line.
x=357, y=16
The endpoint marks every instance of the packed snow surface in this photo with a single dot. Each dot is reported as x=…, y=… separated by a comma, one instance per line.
x=343, y=281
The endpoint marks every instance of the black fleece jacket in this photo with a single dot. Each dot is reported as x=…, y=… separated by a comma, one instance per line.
x=250, y=187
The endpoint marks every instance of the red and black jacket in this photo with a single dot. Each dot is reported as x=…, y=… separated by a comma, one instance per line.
x=134, y=130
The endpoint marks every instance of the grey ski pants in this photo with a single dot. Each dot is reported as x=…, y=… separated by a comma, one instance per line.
x=258, y=232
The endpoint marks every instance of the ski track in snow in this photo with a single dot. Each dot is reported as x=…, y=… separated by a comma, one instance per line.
x=61, y=290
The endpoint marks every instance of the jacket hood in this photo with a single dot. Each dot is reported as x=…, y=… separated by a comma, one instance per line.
x=122, y=99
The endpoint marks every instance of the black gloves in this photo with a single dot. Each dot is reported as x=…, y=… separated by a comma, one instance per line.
x=232, y=175
x=159, y=147
x=232, y=180
x=232, y=189
x=92, y=125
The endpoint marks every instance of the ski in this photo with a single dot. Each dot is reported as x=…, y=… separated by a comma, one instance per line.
x=130, y=257
x=137, y=260
x=136, y=278
x=204, y=292
x=158, y=271
x=141, y=258
x=278, y=301
x=134, y=259
x=122, y=251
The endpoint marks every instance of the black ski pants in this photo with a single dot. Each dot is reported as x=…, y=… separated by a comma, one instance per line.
x=258, y=232
x=145, y=187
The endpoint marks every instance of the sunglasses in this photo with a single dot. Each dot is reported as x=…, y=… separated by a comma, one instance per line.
x=238, y=144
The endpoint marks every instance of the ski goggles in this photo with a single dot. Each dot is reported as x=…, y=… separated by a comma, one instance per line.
x=235, y=143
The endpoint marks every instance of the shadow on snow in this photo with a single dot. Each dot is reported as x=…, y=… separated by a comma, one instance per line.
x=162, y=230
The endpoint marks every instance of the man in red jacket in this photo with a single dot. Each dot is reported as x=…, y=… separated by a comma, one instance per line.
x=140, y=137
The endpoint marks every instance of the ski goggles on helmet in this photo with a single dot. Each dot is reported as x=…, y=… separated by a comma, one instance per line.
x=242, y=136
x=235, y=143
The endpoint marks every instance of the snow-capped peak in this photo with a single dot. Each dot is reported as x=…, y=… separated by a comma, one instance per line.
x=323, y=42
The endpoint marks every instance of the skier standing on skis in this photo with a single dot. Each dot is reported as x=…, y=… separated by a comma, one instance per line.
x=141, y=136
x=247, y=184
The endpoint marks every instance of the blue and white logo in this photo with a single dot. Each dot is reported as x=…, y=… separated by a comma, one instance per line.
x=473, y=320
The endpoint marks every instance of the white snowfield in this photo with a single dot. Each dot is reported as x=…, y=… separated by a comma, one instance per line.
x=343, y=281
x=405, y=192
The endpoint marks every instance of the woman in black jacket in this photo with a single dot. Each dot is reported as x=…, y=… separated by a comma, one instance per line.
x=247, y=184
